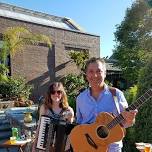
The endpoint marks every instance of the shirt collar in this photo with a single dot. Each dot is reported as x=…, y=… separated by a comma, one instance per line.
x=106, y=89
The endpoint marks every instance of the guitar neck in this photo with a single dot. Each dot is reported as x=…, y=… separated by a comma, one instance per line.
x=140, y=101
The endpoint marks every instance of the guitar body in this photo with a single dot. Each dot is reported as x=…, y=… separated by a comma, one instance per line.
x=96, y=137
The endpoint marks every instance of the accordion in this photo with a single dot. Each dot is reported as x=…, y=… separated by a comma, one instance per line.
x=53, y=133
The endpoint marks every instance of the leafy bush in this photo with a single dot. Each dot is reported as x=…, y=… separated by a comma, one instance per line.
x=15, y=88
x=129, y=140
x=131, y=94
x=143, y=122
x=74, y=84
x=142, y=130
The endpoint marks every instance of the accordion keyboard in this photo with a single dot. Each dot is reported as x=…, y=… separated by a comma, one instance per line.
x=53, y=132
x=43, y=132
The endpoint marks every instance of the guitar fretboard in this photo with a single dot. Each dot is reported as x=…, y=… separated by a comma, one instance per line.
x=140, y=101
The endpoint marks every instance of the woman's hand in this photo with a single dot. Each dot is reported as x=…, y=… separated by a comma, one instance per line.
x=69, y=115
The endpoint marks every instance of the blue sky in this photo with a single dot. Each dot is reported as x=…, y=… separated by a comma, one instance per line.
x=99, y=17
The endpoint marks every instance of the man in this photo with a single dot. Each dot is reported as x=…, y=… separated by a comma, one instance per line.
x=98, y=98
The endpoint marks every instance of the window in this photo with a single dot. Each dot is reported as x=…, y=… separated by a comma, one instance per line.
x=78, y=55
x=7, y=63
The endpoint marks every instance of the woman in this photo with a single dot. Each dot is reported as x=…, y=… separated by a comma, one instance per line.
x=56, y=106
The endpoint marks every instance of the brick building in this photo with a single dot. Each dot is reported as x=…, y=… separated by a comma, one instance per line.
x=39, y=64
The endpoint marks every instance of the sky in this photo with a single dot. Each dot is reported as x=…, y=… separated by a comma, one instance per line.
x=98, y=17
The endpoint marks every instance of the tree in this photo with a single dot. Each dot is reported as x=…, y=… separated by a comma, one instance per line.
x=134, y=40
x=133, y=51
x=16, y=38
x=144, y=117
x=129, y=140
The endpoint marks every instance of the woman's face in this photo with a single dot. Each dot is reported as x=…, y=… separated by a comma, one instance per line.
x=56, y=95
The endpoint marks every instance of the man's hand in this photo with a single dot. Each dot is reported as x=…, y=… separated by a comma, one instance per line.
x=129, y=117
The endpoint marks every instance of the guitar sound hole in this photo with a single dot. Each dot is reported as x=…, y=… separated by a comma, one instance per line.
x=102, y=132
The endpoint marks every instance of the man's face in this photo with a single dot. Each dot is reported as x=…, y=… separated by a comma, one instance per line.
x=95, y=74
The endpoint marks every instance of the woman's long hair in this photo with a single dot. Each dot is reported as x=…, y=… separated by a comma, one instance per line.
x=48, y=101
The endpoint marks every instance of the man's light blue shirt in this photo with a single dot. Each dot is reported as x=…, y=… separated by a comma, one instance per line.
x=87, y=108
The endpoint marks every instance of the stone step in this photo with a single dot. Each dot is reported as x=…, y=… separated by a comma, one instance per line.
x=5, y=135
x=5, y=127
x=4, y=121
x=2, y=115
x=2, y=111
x=3, y=118
x=12, y=149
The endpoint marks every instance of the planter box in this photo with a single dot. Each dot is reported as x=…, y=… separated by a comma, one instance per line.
x=6, y=104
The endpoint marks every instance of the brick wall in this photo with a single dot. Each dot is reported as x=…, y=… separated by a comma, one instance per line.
x=41, y=65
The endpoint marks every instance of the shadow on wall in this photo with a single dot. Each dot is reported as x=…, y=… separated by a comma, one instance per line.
x=60, y=67
x=42, y=82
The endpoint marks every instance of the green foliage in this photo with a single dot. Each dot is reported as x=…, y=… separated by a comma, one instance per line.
x=15, y=39
x=73, y=84
x=3, y=78
x=129, y=140
x=3, y=73
x=134, y=40
x=133, y=51
x=15, y=88
x=3, y=69
x=144, y=81
x=144, y=117
x=108, y=83
x=131, y=94
x=79, y=58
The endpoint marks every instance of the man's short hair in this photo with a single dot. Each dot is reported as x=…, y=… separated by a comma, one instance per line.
x=95, y=60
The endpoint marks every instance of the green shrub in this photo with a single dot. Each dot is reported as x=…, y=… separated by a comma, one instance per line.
x=131, y=94
x=74, y=84
x=142, y=130
x=129, y=140
x=144, y=118
x=15, y=88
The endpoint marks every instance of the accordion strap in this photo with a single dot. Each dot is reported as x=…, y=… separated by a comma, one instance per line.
x=58, y=116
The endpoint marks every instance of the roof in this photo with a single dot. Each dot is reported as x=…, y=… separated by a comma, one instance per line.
x=110, y=65
x=19, y=13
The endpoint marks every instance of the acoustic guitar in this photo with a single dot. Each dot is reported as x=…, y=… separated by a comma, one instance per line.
x=107, y=129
